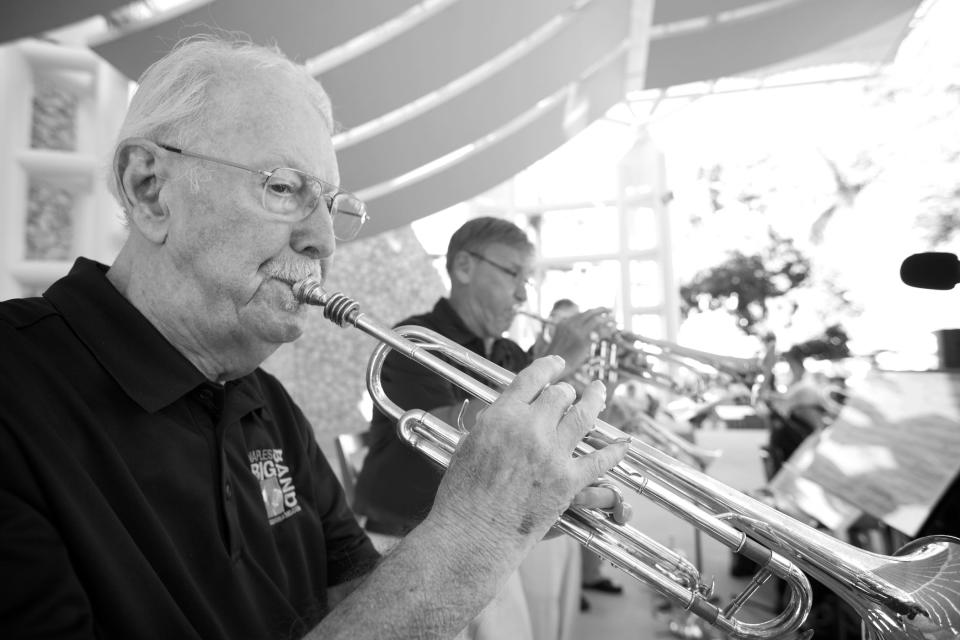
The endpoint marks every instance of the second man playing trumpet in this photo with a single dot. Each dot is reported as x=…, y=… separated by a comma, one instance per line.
x=490, y=262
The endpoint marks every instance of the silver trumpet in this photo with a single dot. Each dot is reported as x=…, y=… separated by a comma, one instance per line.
x=639, y=356
x=745, y=369
x=619, y=355
x=910, y=596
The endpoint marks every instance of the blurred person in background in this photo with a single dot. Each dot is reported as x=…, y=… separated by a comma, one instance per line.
x=804, y=405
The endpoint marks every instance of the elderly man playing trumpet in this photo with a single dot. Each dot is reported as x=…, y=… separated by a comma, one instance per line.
x=156, y=483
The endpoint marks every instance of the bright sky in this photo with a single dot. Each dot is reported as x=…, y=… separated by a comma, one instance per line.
x=795, y=128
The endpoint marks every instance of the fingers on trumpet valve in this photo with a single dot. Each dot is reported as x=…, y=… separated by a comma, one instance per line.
x=578, y=418
x=529, y=384
x=607, y=497
x=556, y=401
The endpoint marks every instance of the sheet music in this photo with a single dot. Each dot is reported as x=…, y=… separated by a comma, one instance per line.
x=803, y=498
x=892, y=452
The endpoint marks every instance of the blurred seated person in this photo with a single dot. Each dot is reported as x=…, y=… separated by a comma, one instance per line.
x=809, y=403
x=638, y=411
x=489, y=261
x=155, y=482
x=630, y=400
x=562, y=309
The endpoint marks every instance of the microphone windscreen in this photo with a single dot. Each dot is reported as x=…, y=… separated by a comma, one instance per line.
x=931, y=270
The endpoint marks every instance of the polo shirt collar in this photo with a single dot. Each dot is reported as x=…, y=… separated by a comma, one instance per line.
x=503, y=351
x=451, y=325
x=148, y=368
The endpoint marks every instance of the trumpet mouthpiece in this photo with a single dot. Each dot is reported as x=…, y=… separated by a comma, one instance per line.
x=337, y=307
x=309, y=291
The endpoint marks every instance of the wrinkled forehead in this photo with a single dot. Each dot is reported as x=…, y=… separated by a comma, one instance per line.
x=265, y=111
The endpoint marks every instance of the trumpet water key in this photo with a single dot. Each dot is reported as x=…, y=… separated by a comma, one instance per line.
x=913, y=595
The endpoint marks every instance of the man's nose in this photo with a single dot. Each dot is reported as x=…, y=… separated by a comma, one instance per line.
x=520, y=293
x=313, y=236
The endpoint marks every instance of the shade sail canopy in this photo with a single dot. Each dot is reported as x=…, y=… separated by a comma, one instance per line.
x=507, y=94
x=723, y=48
x=459, y=97
x=504, y=154
x=440, y=100
x=24, y=19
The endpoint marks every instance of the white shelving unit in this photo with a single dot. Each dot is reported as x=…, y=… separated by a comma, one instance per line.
x=77, y=173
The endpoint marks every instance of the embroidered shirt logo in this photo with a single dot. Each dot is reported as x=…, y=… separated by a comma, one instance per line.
x=276, y=484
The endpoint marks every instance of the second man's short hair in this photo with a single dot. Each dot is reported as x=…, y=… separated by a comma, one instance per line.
x=479, y=233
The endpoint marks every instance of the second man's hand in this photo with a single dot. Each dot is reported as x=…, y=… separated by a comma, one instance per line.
x=573, y=337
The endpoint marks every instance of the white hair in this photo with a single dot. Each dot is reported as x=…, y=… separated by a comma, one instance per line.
x=171, y=102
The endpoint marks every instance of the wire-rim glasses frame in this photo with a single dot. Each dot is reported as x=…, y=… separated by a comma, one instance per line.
x=518, y=276
x=347, y=212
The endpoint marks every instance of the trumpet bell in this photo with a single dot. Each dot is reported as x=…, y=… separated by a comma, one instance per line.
x=926, y=571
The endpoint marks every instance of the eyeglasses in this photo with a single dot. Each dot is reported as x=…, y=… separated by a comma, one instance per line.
x=293, y=195
x=518, y=276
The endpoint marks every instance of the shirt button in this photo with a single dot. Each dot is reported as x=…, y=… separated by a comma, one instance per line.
x=228, y=491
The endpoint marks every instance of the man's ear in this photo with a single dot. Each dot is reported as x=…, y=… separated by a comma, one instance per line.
x=462, y=268
x=139, y=168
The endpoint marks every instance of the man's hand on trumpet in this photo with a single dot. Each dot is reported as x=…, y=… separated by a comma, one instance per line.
x=513, y=474
x=573, y=338
x=607, y=497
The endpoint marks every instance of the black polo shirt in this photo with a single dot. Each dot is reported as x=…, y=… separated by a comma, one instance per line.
x=139, y=500
x=397, y=484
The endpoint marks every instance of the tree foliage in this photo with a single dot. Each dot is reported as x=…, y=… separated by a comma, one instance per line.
x=831, y=345
x=746, y=284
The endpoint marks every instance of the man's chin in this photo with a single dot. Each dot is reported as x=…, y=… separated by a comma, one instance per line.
x=506, y=324
x=277, y=324
x=281, y=332
x=291, y=335
x=500, y=330
x=290, y=325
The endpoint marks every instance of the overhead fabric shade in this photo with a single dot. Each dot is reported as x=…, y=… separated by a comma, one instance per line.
x=456, y=96
x=21, y=19
x=873, y=47
x=772, y=33
x=683, y=10
x=432, y=54
x=302, y=28
x=500, y=158
x=440, y=100
x=491, y=104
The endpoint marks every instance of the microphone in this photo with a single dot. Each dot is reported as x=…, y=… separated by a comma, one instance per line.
x=931, y=270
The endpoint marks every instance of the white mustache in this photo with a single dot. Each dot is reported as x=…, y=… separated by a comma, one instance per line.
x=297, y=271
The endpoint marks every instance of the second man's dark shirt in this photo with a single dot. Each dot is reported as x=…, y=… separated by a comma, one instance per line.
x=397, y=484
